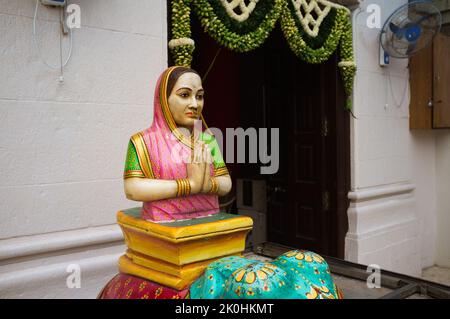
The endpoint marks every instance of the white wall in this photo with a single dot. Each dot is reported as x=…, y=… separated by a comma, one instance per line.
x=63, y=145
x=443, y=196
x=424, y=177
x=392, y=211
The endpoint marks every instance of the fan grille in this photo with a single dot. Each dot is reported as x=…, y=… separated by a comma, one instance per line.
x=410, y=28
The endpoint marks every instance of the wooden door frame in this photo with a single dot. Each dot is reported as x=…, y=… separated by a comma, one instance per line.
x=340, y=122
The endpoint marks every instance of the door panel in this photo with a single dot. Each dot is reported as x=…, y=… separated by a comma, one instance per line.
x=441, y=81
x=307, y=197
x=296, y=105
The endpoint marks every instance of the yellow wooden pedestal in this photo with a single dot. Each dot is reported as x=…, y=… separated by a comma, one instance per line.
x=175, y=254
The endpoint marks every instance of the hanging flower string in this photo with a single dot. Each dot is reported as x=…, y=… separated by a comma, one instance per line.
x=347, y=64
x=181, y=45
x=313, y=29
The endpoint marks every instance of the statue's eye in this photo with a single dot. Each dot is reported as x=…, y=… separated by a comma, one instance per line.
x=200, y=97
x=184, y=94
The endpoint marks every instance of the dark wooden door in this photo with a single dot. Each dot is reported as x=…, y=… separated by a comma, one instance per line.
x=441, y=80
x=429, y=80
x=299, y=99
x=307, y=198
x=297, y=193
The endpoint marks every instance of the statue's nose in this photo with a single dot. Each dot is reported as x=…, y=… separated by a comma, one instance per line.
x=194, y=103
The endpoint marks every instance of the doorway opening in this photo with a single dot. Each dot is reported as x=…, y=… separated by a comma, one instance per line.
x=305, y=201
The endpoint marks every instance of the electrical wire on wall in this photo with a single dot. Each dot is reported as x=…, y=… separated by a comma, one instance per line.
x=405, y=90
x=62, y=64
x=388, y=84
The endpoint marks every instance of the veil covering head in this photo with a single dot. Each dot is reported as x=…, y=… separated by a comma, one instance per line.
x=163, y=151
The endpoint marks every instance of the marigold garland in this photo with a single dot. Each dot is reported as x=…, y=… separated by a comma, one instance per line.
x=335, y=31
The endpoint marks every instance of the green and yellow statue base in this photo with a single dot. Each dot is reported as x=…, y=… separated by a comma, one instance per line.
x=202, y=258
x=174, y=254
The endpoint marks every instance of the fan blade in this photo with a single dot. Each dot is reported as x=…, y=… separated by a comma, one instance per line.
x=397, y=31
x=425, y=17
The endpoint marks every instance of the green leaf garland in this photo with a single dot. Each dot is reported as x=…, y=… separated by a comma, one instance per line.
x=251, y=24
x=324, y=31
x=335, y=31
x=232, y=40
x=348, y=69
x=181, y=28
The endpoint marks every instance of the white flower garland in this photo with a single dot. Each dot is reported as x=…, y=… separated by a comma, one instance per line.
x=182, y=46
x=180, y=42
x=346, y=64
x=334, y=5
x=245, y=10
x=309, y=23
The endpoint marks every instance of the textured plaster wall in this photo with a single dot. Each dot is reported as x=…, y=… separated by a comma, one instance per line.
x=62, y=145
x=393, y=204
x=425, y=175
x=443, y=198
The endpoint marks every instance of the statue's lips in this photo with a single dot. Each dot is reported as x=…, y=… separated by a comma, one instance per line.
x=191, y=114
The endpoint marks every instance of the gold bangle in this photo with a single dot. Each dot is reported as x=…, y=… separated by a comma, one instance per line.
x=188, y=187
x=178, y=187
x=183, y=187
x=214, y=186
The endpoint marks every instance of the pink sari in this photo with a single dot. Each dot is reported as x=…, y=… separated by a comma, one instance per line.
x=161, y=140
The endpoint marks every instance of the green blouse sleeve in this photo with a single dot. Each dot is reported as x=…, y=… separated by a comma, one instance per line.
x=132, y=166
x=219, y=164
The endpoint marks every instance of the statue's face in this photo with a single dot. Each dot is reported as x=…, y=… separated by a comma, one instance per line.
x=186, y=100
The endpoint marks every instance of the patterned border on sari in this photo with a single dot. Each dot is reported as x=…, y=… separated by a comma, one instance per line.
x=166, y=111
x=134, y=173
x=143, y=156
x=220, y=171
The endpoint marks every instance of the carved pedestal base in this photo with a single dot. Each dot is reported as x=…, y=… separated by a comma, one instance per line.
x=175, y=254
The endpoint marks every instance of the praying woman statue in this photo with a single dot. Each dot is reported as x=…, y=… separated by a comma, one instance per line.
x=175, y=169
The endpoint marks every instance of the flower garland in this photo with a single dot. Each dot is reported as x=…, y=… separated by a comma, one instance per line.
x=181, y=45
x=220, y=31
x=250, y=30
x=250, y=24
x=246, y=10
x=307, y=48
x=307, y=20
x=347, y=64
x=313, y=41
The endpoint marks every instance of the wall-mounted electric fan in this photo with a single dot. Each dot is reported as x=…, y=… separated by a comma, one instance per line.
x=409, y=29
